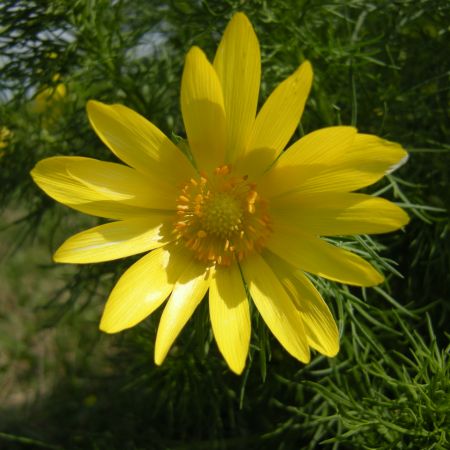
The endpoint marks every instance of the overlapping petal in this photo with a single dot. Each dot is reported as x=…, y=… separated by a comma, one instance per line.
x=203, y=111
x=230, y=316
x=143, y=288
x=116, y=240
x=287, y=200
x=138, y=143
x=332, y=214
x=187, y=294
x=238, y=66
x=334, y=159
x=101, y=188
x=309, y=156
x=320, y=327
x=276, y=307
x=312, y=254
x=277, y=121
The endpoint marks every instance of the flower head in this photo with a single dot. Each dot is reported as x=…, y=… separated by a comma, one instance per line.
x=5, y=136
x=49, y=99
x=241, y=216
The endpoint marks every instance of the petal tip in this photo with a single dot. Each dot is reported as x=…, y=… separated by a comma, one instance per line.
x=61, y=256
x=108, y=327
x=333, y=353
x=159, y=358
x=402, y=162
x=332, y=349
x=305, y=75
x=162, y=347
x=33, y=173
x=307, y=67
x=195, y=51
x=240, y=23
x=404, y=219
x=57, y=257
x=92, y=104
x=376, y=279
x=240, y=17
x=236, y=367
x=303, y=354
x=95, y=107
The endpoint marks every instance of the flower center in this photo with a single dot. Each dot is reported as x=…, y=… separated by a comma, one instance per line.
x=221, y=214
x=221, y=217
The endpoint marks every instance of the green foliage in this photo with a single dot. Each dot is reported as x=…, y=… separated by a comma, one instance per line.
x=380, y=65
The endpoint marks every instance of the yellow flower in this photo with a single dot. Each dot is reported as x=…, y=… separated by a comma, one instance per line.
x=5, y=136
x=240, y=217
x=49, y=99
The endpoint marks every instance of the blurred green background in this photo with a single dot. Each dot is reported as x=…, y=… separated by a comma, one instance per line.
x=381, y=65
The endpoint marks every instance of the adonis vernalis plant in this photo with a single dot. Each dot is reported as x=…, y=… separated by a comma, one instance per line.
x=237, y=216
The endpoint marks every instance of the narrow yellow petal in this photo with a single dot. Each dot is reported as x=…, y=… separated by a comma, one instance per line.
x=332, y=214
x=363, y=163
x=203, y=111
x=277, y=120
x=343, y=162
x=320, y=326
x=230, y=316
x=143, y=288
x=311, y=254
x=116, y=240
x=138, y=143
x=238, y=65
x=100, y=188
x=187, y=294
x=276, y=307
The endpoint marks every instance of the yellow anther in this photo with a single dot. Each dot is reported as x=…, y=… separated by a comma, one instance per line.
x=252, y=196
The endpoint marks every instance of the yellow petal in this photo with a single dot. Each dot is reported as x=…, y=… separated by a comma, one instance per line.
x=319, y=147
x=276, y=307
x=314, y=255
x=320, y=327
x=116, y=240
x=332, y=214
x=187, y=293
x=138, y=143
x=100, y=188
x=143, y=288
x=238, y=65
x=230, y=316
x=308, y=156
x=60, y=91
x=342, y=162
x=203, y=111
x=277, y=120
